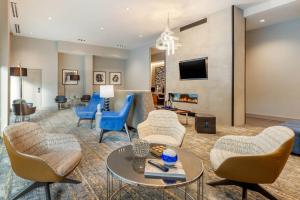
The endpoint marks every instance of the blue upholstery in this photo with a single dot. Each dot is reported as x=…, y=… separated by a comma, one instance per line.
x=89, y=111
x=295, y=126
x=115, y=121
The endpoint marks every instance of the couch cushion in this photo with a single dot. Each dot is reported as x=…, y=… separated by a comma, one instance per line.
x=162, y=139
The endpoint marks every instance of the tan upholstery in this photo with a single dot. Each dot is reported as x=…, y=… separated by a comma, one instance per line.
x=142, y=105
x=162, y=126
x=253, y=159
x=38, y=156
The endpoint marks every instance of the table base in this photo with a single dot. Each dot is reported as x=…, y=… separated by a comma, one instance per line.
x=113, y=193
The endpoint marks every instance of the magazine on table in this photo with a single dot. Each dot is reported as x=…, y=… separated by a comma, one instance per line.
x=174, y=172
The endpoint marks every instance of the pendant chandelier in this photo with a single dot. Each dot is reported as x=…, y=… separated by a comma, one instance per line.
x=167, y=41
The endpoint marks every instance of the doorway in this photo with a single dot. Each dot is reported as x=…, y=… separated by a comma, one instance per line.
x=158, y=76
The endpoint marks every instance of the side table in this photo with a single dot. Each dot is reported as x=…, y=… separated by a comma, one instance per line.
x=205, y=123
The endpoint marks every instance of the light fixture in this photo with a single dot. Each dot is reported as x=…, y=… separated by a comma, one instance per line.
x=49, y=18
x=101, y=28
x=30, y=33
x=141, y=35
x=106, y=92
x=127, y=9
x=167, y=41
x=262, y=20
x=74, y=77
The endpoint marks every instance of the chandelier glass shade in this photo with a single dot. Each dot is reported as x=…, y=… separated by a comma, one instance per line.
x=167, y=41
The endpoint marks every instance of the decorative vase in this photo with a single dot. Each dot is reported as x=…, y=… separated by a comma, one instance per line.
x=169, y=157
x=140, y=148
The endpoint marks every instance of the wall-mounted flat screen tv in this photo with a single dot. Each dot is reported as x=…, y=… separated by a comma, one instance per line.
x=193, y=69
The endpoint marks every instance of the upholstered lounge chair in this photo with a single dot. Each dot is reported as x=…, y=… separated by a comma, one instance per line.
x=247, y=161
x=163, y=127
x=116, y=121
x=41, y=157
x=89, y=112
x=22, y=110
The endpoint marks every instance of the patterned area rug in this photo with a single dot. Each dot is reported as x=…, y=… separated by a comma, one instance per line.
x=92, y=170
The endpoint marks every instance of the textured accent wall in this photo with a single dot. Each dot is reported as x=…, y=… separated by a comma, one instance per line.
x=212, y=40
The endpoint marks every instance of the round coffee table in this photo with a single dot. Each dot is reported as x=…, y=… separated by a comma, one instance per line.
x=128, y=170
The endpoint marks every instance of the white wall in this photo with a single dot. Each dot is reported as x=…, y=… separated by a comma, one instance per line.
x=212, y=40
x=83, y=49
x=138, y=70
x=38, y=54
x=110, y=65
x=4, y=64
x=273, y=69
x=73, y=62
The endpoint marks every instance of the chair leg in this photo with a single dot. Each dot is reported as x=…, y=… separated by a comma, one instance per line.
x=262, y=191
x=244, y=194
x=28, y=189
x=67, y=180
x=47, y=190
x=92, y=123
x=101, y=135
x=127, y=132
x=245, y=187
x=78, y=123
x=220, y=182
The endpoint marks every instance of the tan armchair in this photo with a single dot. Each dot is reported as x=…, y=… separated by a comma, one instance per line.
x=163, y=127
x=41, y=157
x=247, y=161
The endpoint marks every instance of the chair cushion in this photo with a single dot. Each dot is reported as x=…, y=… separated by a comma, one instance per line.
x=62, y=162
x=162, y=139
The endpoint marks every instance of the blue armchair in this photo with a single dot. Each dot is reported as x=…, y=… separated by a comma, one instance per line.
x=116, y=121
x=88, y=112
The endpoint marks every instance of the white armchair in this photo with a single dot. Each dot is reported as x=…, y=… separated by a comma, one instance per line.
x=162, y=127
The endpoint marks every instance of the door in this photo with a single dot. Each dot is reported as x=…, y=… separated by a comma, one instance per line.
x=32, y=87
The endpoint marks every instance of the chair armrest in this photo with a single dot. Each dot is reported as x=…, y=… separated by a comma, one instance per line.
x=144, y=130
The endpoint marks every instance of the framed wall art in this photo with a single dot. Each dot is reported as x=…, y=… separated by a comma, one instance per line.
x=66, y=73
x=115, y=78
x=99, y=78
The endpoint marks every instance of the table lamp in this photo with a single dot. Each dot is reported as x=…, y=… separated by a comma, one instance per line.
x=106, y=91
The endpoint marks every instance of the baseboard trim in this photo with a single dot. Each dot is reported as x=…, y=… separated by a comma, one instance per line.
x=274, y=118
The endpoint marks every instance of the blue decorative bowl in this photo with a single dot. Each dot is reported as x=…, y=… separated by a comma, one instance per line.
x=169, y=157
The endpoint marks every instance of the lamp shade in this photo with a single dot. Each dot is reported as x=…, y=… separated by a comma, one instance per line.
x=17, y=71
x=106, y=91
x=74, y=77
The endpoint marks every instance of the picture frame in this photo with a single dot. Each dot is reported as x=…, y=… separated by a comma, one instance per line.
x=99, y=78
x=115, y=78
x=66, y=73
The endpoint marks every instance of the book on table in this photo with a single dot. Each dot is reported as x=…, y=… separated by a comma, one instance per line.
x=175, y=172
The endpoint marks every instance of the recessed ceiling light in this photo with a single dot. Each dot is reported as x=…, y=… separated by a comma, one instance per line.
x=262, y=20
x=101, y=28
x=127, y=9
x=30, y=33
x=141, y=35
x=50, y=18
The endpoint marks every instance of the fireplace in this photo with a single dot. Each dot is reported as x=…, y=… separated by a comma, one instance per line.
x=184, y=97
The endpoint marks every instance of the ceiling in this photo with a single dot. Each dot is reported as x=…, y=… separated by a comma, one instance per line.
x=115, y=23
x=285, y=12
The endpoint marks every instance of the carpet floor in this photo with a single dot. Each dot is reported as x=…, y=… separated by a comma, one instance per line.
x=92, y=171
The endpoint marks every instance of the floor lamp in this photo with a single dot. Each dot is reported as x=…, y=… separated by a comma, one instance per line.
x=20, y=72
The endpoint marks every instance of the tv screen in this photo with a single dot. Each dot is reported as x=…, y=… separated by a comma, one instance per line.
x=193, y=69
